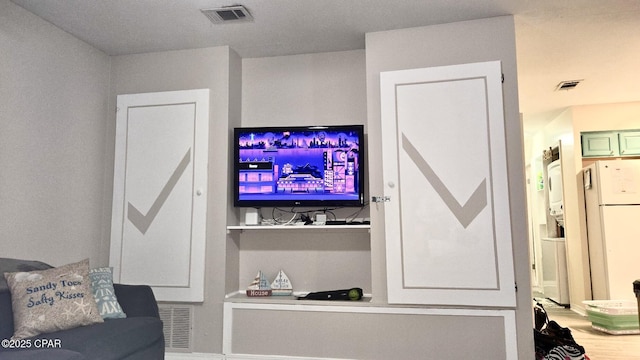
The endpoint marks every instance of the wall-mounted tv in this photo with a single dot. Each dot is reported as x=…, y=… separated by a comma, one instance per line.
x=317, y=166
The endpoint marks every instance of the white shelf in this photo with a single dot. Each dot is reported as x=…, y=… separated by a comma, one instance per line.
x=296, y=227
x=240, y=297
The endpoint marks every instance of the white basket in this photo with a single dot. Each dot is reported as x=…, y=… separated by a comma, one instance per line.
x=612, y=307
x=616, y=332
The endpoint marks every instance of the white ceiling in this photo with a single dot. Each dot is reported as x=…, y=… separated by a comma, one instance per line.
x=557, y=40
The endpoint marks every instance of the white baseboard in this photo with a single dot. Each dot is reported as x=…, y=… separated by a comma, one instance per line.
x=272, y=357
x=192, y=356
x=203, y=356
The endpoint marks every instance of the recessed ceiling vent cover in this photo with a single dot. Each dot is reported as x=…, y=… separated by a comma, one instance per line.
x=228, y=14
x=568, y=85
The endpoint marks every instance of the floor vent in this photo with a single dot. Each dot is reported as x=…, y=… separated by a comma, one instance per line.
x=176, y=322
x=228, y=14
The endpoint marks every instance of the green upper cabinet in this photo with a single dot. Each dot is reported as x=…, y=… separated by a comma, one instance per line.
x=599, y=144
x=629, y=143
x=611, y=143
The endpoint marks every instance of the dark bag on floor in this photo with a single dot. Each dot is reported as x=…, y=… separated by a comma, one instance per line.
x=553, y=341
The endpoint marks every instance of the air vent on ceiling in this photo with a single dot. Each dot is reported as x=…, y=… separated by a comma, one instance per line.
x=228, y=14
x=568, y=85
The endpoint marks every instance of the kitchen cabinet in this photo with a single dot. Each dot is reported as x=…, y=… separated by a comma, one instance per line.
x=600, y=144
x=610, y=143
x=629, y=142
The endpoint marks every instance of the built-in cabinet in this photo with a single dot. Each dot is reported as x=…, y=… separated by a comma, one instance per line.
x=610, y=143
x=330, y=257
x=448, y=239
x=448, y=231
x=354, y=330
x=158, y=230
x=315, y=258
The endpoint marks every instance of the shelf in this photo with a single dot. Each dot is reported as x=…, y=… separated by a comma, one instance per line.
x=297, y=227
x=240, y=297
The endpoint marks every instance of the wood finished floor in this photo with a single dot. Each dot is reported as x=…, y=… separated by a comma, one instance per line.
x=598, y=345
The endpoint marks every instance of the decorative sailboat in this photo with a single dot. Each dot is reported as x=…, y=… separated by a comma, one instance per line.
x=259, y=286
x=281, y=285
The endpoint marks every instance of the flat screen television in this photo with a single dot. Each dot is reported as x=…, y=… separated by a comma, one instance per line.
x=314, y=166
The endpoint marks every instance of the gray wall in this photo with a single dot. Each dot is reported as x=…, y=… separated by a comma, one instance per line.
x=58, y=122
x=53, y=116
x=448, y=44
x=309, y=89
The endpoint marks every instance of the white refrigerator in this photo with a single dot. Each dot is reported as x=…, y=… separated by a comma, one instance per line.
x=612, y=203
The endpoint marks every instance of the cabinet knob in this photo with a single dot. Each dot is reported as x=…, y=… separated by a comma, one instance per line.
x=391, y=184
x=199, y=192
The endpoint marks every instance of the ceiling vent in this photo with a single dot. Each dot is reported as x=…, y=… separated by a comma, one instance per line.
x=568, y=85
x=228, y=14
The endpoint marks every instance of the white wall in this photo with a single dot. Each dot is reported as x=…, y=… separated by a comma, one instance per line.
x=53, y=114
x=601, y=117
x=561, y=130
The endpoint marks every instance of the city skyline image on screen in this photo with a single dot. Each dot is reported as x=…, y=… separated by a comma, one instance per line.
x=298, y=166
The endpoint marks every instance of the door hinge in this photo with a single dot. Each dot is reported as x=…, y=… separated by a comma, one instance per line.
x=503, y=78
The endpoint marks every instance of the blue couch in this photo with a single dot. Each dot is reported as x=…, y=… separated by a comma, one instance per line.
x=138, y=336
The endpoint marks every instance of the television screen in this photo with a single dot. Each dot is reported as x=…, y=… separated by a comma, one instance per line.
x=299, y=166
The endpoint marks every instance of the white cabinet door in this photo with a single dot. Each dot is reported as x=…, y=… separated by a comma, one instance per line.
x=448, y=229
x=159, y=200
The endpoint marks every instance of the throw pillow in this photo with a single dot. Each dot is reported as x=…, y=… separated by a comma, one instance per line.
x=13, y=265
x=45, y=301
x=105, y=295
